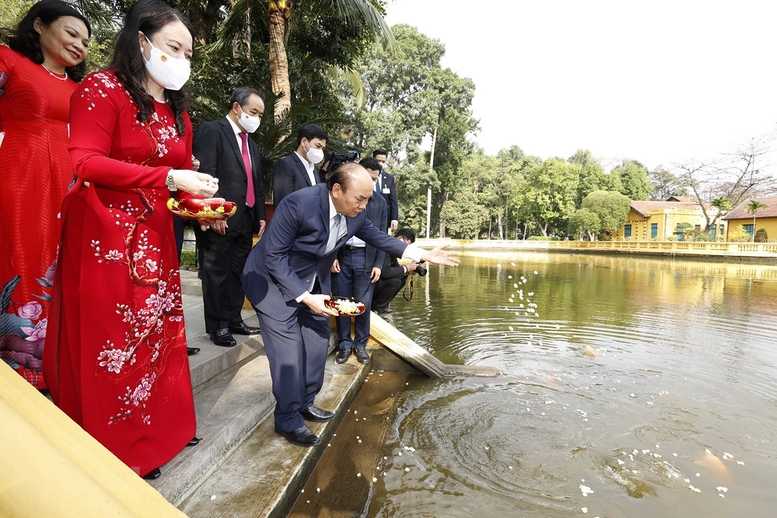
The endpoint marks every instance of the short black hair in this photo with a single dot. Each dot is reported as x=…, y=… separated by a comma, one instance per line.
x=379, y=152
x=370, y=163
x=311, y=131
x=241, y=96
x=26, y=41
x=407, y=233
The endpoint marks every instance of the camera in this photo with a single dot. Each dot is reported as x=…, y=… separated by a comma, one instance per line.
x=420, y=270
x=336, y=159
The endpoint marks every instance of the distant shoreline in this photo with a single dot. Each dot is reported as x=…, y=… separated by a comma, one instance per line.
x=716, y=252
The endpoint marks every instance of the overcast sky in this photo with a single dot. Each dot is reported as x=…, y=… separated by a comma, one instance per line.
x=660, y=82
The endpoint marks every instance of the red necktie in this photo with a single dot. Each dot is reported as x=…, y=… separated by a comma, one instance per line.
x=250, y=196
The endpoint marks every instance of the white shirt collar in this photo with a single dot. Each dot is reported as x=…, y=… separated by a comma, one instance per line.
x=332, y=209
x=235, y=127
x=308, y=166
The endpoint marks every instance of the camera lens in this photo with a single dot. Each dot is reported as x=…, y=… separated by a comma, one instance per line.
x=420, y=270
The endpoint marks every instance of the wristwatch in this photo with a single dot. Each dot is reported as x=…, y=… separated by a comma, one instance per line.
x=170, y=183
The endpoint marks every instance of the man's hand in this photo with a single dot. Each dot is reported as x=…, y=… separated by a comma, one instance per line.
x=262, y=227
x=440, y=256
x=394, y=225
x=411, y=267
x=375, y=275
x=335, y=267
x=316, y=305
x=219, y=226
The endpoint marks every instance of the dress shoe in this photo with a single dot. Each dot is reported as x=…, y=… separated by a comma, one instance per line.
x=194, y=441
x=153, y=474
x=223, y=338
x=361, y=356
x=342, y=355
x=243, y=329
x=313, y=413
x=191, y=351
x=302, y=436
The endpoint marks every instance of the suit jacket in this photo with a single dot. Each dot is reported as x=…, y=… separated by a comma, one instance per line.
x=376, y=214
x=289, y=175
x=391, y=268
x=281, y=266
x=215, y=146
x=387, y=183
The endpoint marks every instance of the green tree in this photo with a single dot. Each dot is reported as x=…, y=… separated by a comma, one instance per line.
x=408, y=96
x=633, y=180
x=611, y=207
x=464, y=216
x=665, y=184
x=547, y=198
x=322, y=23
x=592, y=177
x=12, y=13
x=584, y=221
x=752, y=208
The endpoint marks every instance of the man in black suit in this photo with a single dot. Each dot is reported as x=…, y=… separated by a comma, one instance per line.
x=392, y=276
x=356, y=271
x=298, y=170
x=227, y=152
x=287, y=279
x=388, y=188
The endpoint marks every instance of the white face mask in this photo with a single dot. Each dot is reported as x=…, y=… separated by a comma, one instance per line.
x=248, y=122
x=167, y=71
x=315, y=155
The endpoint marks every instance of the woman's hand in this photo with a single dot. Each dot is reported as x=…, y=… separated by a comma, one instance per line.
x=199, y=184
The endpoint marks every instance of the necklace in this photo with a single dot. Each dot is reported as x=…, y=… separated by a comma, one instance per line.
x=54, y=75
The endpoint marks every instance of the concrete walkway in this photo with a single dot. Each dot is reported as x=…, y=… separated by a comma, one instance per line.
x=241, y=467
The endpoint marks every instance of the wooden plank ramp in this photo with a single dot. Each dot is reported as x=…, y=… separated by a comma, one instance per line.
x=393, y=339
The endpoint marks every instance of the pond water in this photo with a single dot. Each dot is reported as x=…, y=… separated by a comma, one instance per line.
x=632, y=388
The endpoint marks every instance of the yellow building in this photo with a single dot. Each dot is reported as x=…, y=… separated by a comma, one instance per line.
x=677, y=218
x=739, y=219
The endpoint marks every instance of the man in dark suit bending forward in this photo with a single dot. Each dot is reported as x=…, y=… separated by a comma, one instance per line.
x=287, y=279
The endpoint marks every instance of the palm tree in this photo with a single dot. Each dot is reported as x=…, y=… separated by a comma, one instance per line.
x=279, y=17
x=752, y=208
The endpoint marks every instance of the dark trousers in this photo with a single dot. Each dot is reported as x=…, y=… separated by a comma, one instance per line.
x=222, y=262
x=296, y=350
x=178, y=226
x=353, y=281
x=385, y=291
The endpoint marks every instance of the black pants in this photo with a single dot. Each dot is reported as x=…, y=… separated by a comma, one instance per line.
x=222, y=262
x=385, y=291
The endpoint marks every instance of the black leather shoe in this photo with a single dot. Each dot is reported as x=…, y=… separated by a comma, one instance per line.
x=191, y=351
x=244, y=329
x=194, y=441
x=361, y=356
x=223, y=338
x=313, y=413
x=342, y=355
x=301, y=436
x=153, y=474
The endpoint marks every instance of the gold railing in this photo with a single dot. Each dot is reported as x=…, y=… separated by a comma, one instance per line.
x=655, y=247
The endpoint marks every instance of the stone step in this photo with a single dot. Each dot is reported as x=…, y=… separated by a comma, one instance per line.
x=233, y=401
x=228, y=409
x=264, y=475
x=232, y=395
